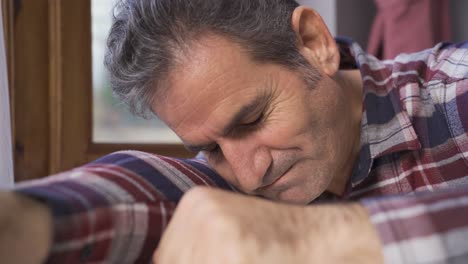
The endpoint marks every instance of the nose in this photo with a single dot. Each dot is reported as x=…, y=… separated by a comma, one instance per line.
x=246, y=161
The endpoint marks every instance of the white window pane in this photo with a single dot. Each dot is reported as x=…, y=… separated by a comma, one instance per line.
x=112, y=123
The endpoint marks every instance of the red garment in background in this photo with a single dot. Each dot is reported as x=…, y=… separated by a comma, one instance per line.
x=408, y=25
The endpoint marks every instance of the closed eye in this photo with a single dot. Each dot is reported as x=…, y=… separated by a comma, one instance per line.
x=255, y=122
x=214, y=149
x=214, y=154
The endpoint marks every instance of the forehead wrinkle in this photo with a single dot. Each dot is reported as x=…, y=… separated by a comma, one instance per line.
x=233, y=121
x=224, y=91
x=177, y=100
x=213, y=74
x=225, y=113
x=242, y=112
x=204, y=54
x=192, y=70
x=221, y=96
x=252, y=95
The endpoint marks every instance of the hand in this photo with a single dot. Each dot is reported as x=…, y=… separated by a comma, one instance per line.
x=25, y=229
x=213, y=226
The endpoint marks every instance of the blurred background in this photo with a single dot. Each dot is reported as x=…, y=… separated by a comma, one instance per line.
x=111, y=121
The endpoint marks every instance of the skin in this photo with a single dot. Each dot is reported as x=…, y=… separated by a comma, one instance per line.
x=295, y=143
x=229, y=228
x=25, y=229
x=305, y=143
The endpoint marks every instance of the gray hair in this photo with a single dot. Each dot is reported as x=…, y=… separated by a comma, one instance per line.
x=146, y=34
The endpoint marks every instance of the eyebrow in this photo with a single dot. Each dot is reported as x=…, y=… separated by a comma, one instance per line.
x=256, y=103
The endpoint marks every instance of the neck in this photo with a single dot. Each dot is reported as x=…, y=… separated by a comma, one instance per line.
x=351, y=82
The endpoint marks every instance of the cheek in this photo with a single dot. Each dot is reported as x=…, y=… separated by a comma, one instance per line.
x=286, y=133
x=311, y=181
x=317, y=125
x=292, y=124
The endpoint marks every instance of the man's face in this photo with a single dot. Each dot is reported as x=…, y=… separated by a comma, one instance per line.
x=261, y=126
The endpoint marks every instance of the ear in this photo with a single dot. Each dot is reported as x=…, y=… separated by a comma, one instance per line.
x=315, y=42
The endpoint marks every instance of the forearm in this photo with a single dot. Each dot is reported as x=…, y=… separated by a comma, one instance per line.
x=243, y=229
x=25, y=229
x=426, y=227
x=115, y=209
x=346, y=234
x=100, y=217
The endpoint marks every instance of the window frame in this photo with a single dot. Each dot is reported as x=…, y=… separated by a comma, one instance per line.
x=64, y=96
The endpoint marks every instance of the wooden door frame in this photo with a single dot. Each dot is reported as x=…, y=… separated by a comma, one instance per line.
x=71, y=91
x=54, y=133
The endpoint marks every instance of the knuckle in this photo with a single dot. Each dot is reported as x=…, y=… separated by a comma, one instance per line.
x=203, y=200
x=209, y=206
x=199, y=192
x=195, y=196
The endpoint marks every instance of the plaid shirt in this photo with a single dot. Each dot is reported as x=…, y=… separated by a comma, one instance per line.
x=411, y=173
x=414, y=142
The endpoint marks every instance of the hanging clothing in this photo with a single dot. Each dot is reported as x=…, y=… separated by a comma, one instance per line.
x=403, y=26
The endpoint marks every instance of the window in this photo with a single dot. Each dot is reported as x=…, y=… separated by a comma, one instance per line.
x=52, y=101
x=112, y=123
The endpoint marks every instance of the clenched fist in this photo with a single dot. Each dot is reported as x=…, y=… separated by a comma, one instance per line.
x=214, y=226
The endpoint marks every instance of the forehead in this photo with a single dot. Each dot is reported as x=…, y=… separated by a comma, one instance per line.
x=212, y=80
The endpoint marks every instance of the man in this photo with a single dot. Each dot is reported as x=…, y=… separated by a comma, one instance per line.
x=281, y=111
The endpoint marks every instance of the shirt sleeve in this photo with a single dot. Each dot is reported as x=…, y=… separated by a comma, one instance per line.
x=425, y=227
x=115, y=209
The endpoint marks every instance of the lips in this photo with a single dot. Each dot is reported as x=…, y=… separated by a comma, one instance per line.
x=275, y=180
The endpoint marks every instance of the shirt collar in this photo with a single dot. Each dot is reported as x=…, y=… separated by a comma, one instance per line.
x=386, y=127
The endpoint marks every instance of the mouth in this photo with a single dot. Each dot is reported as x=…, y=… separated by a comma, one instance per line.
x=266, y=186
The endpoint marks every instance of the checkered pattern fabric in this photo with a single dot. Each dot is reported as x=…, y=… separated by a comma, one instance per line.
x=412, y=172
